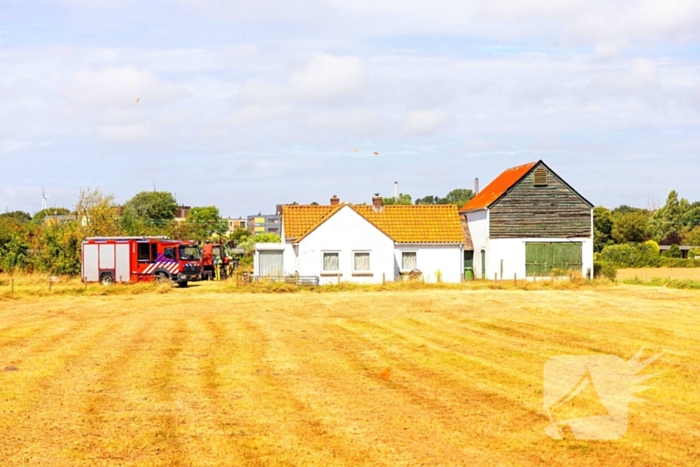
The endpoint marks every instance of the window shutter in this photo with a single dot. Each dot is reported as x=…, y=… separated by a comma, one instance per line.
x=540, y=176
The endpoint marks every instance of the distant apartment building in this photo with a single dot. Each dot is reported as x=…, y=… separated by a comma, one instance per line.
x=236, y=223
x=181, y=213
x=264, y=223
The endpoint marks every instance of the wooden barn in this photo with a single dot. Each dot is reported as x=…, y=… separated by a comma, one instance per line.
x=528, y=223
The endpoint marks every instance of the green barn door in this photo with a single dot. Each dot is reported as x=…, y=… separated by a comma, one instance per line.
x=541, y=259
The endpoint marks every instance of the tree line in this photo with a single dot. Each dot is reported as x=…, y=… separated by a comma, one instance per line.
x=625, y=236
x=50, y=240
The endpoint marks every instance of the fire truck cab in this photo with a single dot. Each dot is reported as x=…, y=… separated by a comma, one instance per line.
x=140, y=259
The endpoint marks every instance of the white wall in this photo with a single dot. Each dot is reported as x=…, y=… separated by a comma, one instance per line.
x=346, y=232
x=448, y=259
x=512, y=252
x=479, y=229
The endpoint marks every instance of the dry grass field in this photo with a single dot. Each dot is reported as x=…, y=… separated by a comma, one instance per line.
x=646, y=274
x=393, y=378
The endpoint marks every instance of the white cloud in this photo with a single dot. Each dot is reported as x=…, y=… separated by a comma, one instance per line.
x=424, y=122
x=327, y=77
x=610, y=49
x=358, y=121
x=640, y=76
x=120, y=87
x=299, y=11
x=127, y=133
x=258, y=113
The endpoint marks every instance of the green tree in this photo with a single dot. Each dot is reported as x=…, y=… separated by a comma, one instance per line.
x=57, y=249
x=631, y=227
x=602, y=228
x=41, y=215
x=14, y=254
x=152, y=206
x=692, y=237
x=624, y=209
x=205, y=221
x=16, y=216
x=239, y=235
x=430, y=199
x=249, y=243
x=12, y=223
x=97, y=215
x=458, y=196
x=668, y=222
x=149, y=213
x=403, y=199
x=674, y=252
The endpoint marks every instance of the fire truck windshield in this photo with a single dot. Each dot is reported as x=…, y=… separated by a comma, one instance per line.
x=189, y=253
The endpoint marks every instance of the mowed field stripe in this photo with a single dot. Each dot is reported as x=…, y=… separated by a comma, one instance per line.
x=271, y=425
x=41, y=400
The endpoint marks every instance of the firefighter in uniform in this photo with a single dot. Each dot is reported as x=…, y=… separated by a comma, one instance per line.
x=217, y=268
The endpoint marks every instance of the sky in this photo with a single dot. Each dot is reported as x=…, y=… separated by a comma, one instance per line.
x=246, y=104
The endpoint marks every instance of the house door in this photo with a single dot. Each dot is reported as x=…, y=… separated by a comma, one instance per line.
x=468, y=264
x=483, y=264
x=270, y=263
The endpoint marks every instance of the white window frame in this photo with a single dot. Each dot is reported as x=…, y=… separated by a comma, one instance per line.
x=409, y=252
x=323, y=262
x=369, y=260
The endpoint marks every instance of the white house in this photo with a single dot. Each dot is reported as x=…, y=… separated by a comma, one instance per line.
x=529, y=223
x=366, y=243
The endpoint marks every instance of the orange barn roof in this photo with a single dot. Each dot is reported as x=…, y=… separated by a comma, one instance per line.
x=401, y=223
x=498, y=187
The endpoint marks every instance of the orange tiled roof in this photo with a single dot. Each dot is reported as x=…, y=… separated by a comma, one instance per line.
x=498, y=187
x=297, y=220
x=401, y=223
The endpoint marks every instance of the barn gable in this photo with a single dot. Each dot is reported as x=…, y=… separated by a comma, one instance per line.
x=540, y=205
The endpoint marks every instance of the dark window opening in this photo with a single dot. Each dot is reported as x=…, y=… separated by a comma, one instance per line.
x=143, y=253
x=154, y=252
x=170, y=253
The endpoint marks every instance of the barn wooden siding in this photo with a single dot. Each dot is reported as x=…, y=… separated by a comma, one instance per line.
x=533, y=211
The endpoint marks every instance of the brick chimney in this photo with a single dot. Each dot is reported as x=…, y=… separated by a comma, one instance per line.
x=335, y=200
x=377, y=203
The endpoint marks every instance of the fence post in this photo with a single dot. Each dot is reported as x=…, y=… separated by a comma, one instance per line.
x=12, y=284
x=495, y=276
x=338, y=278
x=515, y=278
x=383, y=278
x=50, y=283
x=501, y=269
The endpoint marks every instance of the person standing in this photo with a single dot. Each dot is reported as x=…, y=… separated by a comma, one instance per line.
x=217, y=268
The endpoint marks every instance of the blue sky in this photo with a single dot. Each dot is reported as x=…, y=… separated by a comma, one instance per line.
x=247, y=104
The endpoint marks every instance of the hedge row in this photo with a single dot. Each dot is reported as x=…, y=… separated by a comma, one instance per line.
x=641, y=255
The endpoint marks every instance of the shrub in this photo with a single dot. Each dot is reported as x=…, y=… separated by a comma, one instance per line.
x=631, y=255
x=674, y=252
x=604, y=269
x=652, y=244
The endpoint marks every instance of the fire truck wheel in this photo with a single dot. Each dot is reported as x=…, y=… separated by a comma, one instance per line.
x=182, y=284
x=161, y=278
x=106, y=280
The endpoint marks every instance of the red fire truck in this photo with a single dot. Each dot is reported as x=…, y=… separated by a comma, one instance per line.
x=140, y=259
